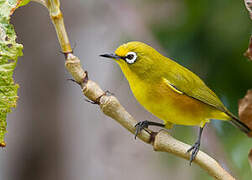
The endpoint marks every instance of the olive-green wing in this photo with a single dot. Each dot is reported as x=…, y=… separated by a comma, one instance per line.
x=190, y=84
x=183, y=81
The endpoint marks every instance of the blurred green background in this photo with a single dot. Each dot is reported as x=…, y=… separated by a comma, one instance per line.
x=55, y=134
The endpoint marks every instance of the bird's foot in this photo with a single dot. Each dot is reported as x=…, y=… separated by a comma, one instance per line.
x=145, y=124
x=140, y=126
x=195, y=149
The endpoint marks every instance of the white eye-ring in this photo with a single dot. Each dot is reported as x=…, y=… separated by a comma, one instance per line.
x=131, y=57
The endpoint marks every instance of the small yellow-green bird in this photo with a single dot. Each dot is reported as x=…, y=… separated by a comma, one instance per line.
x=170, y=91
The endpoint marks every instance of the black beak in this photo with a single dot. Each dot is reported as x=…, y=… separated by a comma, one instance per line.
x=110, y=56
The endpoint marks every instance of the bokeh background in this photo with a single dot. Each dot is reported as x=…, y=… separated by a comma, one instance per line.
x=54, y=134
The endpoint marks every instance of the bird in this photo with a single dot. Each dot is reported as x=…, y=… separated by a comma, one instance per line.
x=170, y=91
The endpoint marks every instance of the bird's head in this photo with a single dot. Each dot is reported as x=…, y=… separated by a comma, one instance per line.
x=135, y=57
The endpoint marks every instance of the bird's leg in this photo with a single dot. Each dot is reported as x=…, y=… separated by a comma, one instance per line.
x=145, y=124
x=195, y=148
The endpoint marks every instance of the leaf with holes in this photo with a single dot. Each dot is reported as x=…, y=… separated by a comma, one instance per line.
x=9, y=53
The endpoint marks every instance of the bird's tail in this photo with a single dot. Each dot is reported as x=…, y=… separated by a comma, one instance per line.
x=237, y=123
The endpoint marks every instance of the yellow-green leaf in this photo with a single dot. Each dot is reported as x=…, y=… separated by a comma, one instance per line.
x=9, y=53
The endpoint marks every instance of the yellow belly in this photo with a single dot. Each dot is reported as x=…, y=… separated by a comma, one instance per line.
x=173, y=107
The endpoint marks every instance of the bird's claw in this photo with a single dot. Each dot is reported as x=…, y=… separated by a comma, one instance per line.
x=140, y=126
x=195, y=149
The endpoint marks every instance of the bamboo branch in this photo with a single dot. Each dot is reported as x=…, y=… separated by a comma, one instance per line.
x=110, y=106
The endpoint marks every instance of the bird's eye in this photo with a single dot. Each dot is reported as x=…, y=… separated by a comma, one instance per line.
x=131, y=57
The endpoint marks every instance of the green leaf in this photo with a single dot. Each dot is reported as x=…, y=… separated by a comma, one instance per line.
x=9, y=53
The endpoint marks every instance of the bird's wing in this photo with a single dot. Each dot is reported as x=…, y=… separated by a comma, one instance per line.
x=191, y=85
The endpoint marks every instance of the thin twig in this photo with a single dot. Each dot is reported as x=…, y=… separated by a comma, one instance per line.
x=161, y=141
